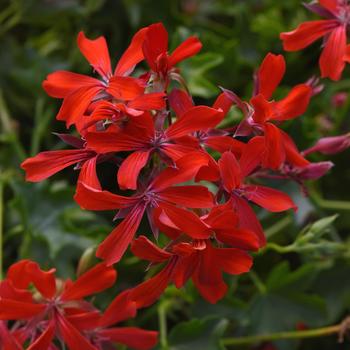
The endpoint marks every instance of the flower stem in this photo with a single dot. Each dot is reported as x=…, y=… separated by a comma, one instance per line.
x=339, y=329
x=163, y=329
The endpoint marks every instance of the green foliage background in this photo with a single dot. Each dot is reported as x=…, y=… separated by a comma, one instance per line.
x=303, y=276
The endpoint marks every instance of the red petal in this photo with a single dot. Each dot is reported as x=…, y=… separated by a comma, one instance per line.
x=180, y=101
x=262, y=109
x=85, y=320
x=155, y=44
x=189, y=196
x=332, y=58
x=230, y=171
x=132, y=55
x=270, y=74
x=44, y=340
x=176, y=151
x=294, y=105
x=268, y=198
x=188, y=48
x=224, y=101
x=274, y=154
x=96, y=52
x=148, y=292
x=147, y=102
x=233, y=261
x=125, y=88
x=208, y=278
x=75, y=104
x=293, y=156
x=224, y=143
x=61, y=83
x=143, y=248
x=251, y=155
x=25, y=272
x=195, y=119
x=186, y=169
x=71, y=336
x=17, y=310
x=248, y=219
x=187, y=222
x=121, y=309
x=130, y=169
x=7, y=340
x=45, y=164
x=330, y=5
x=103, y=277
x=88, y=174
x=132, y=337
x=306, y=34
x=239, y=238
x=116, y=243
x=93, y=199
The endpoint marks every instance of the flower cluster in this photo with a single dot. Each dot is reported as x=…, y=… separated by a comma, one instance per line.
x=192, y=180
x=57, y=311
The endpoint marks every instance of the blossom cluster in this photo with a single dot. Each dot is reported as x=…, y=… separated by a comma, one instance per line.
x=192, y=180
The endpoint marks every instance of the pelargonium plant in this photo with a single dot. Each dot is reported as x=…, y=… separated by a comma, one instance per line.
x=194, y=181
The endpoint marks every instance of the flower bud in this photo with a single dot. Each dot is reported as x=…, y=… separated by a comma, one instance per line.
x=330, y=145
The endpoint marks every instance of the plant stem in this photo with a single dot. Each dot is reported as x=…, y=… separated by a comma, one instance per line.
x=163, y=325
x=310, y=333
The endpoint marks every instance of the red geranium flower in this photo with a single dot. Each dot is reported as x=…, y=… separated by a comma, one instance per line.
x=161, y=191
x=332, y=29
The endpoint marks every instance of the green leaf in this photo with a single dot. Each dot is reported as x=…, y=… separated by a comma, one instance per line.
x=197, y=334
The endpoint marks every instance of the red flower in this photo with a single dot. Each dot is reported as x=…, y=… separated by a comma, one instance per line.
x=261, y=113
x=46, y=164
x=333, y=29
x=79, y=91
x=49, y=308
x=161, y=191
x=155, y=49
x=195, y=257
x=142, y=136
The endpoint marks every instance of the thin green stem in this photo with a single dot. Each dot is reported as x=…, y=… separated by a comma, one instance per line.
x=310, y=333
x=163, y=329
x=257, y=282
x=278, y=226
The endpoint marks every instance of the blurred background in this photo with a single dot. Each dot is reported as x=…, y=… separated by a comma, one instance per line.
x=300, y=281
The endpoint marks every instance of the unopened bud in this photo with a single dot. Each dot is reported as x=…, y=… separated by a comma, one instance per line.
x=330, y=145
x=313, y=171
x=339, y=99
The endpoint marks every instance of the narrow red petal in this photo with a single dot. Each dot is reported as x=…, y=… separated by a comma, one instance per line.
x=294, y=105
x=230, y=171
x=187, y=222
x=17, y=310
x=130, y=169
x=143, y=248
x=93, y=199
x=71, y=336
x=147, y=102
x=195, y=119
x=88, y=174
x=76, y=103
x=132, y=55
x=96, y=52
x=43, y=342
x=46, y=164
x=274, y=155
x=61, y=83
x=114, y=246
x=251, y=155
x=306, y=34
x=180, y=101
x=332, y=61
x=189, y=196
x=132, y=337
x=103, y=277
x=121, y=309
x=268, y=198
x=188, y=48
x=270, y=74
x=233, y=261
